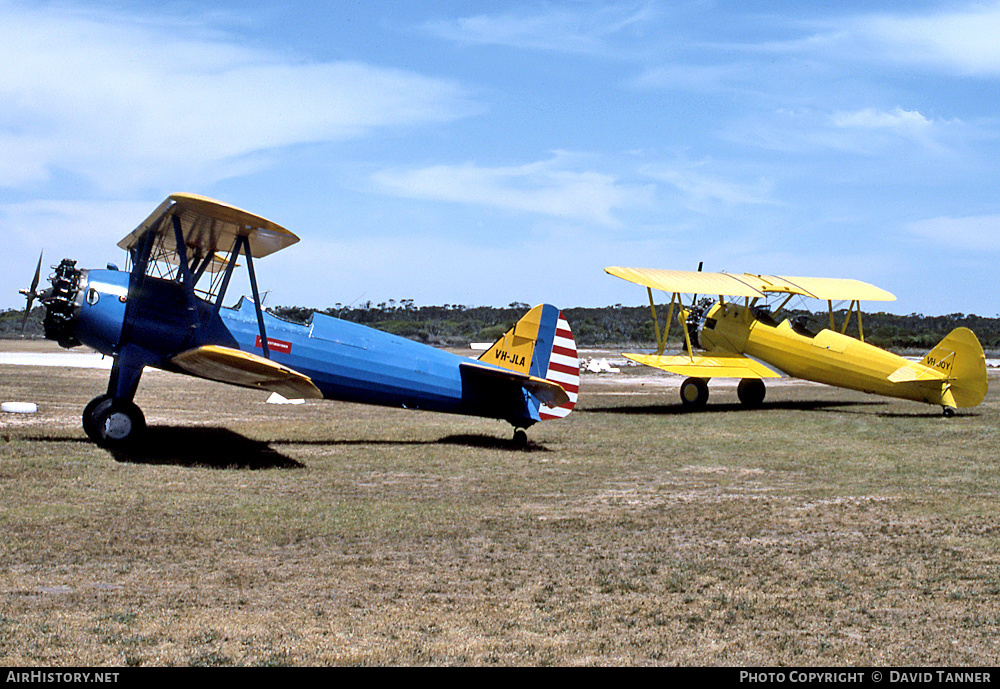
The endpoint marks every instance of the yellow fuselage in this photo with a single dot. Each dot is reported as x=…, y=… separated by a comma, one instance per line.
x=827, y=357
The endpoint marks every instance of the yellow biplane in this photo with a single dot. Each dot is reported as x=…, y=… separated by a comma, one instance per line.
x=740, y=336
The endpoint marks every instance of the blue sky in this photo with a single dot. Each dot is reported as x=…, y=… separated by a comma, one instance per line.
x=484, y=153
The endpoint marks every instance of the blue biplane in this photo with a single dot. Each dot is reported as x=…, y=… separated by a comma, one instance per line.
x=167, y=312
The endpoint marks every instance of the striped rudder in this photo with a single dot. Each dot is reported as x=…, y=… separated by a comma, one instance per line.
x=563, y=368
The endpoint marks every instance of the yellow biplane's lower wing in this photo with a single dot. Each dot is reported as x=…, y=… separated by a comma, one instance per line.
x=228, y=365
x=706, y=365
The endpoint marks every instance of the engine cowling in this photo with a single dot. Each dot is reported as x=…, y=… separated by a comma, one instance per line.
x=62, y=305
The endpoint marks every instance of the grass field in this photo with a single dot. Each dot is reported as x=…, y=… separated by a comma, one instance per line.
x=828, y=528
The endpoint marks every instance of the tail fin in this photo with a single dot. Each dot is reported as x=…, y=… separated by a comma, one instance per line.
x=541, y=344
x=960, y=357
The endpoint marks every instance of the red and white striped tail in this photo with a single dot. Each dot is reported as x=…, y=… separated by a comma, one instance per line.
x=564, y=369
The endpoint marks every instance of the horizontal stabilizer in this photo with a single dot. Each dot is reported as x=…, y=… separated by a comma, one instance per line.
x=549, y=393
x=916, y=373
x=227, y=365
x=706, y=365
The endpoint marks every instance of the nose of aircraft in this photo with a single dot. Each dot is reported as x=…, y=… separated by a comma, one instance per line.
x=62, y=303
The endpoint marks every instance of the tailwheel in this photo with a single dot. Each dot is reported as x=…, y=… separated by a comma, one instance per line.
x=113, y=423
x=694, y=393
x=520, y=439
x=948, y=411
x=751, y=392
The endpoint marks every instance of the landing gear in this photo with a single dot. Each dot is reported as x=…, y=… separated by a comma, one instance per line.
x=694, y=393
x=88, y=414
x=520, y=439
x=948, y=412
x=751, y=392
x=113, y=423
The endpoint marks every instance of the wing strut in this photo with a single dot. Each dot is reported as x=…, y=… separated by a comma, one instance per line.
x=233, y=253
x=187, y=277
x=661, y=342
x=854, y=307
x=256, y=298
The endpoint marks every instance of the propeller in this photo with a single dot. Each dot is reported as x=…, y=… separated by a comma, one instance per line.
x=30, y=293
x=694, y=298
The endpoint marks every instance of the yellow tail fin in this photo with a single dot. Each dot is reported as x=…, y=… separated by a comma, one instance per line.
x=960, y=357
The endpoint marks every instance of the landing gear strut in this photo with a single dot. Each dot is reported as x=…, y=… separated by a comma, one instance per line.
x=113, y=423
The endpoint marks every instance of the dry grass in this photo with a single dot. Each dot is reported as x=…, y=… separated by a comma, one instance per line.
x=827, y=529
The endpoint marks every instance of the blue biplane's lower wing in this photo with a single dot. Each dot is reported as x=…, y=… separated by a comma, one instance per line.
x=228, y=365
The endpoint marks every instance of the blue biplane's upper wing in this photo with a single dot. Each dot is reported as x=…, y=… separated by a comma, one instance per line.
x=211, y=226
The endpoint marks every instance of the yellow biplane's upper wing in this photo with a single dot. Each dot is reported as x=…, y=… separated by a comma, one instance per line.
x=212, y=226
x=832, y=289
x=236, y=367
x=688, y=281
x=749, y=285
x=715, y=365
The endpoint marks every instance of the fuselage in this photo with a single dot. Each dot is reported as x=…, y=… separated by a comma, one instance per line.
x=825, y=357
x=346, y=361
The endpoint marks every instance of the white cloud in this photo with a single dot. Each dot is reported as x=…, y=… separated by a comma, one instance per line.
x=697, y=78
x=703, y=191
x=971, y=233
x=543, y=187
x=962, y=40
x=900, y=120
x=872, y=123
x=126, y=103
x=584, y=29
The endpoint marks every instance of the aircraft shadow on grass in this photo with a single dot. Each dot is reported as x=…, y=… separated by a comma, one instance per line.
x=202, y=446
x=826, y=406
x=220, y=448
x=482, y=442
x=680, y=409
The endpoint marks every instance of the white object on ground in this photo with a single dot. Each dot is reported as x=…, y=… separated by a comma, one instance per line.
x=275, y=398
x=19, y=407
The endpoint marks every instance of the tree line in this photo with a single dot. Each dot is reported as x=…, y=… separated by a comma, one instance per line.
x=457, y=325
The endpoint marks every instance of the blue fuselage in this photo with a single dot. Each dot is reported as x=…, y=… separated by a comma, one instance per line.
x=345, y=360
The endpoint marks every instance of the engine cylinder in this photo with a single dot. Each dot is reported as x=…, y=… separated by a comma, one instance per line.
x=61, y=305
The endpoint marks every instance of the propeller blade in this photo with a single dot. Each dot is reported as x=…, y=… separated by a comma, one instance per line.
x=30, y=293
x=38, y=272
x=694, y=298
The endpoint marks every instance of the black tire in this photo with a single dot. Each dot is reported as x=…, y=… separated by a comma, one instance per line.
x=520, y=439
x=115, y=423
x=88, y=414
x=751, y=392
x=694, y=393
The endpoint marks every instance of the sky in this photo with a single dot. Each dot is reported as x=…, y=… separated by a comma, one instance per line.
x=489, y=153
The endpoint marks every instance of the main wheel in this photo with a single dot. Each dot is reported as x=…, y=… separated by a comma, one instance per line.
x=113, y=423
x=694, y=393
x=751, y=392
x=520, y=440
x=88, y=415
